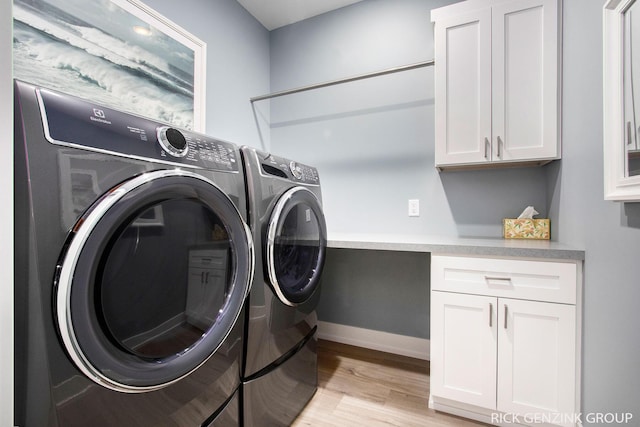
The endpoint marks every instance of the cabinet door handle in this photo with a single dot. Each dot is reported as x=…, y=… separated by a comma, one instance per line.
x=486, y=148
x=502, y=279
x=490, y=315
x=500, y=143
x=629, y=133
x=506, y=313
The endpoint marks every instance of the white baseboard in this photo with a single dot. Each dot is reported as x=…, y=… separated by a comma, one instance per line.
x=375, y=340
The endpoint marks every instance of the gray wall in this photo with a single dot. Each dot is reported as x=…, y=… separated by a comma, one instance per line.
x=373, y=140
x=378, y=290
x=373, y=143
x=237, y=62
x=608, y=231
x=351, y=132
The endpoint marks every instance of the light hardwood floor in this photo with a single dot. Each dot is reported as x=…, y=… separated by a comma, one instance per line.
x=360, y=387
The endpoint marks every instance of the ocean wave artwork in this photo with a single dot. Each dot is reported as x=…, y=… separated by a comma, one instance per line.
x=100, y=52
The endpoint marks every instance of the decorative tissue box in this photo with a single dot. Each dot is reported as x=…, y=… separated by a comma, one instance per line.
x=513, y=228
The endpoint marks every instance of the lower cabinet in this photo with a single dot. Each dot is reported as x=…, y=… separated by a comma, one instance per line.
x=496, y=357
x=207, y=283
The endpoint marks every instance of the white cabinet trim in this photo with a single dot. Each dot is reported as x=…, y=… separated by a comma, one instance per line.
x=617, y=185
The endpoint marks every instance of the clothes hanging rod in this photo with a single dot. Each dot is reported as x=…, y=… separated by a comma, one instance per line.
x=345, y=80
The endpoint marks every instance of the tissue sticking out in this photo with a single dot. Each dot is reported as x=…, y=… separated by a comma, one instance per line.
x=528, y=213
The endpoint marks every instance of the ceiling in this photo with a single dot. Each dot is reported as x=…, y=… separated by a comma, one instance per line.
x=278, y=13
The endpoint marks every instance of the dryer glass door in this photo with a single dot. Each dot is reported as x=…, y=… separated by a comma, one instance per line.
x=296, y=245
x=152, y=280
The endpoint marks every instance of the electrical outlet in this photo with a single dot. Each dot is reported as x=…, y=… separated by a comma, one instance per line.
x=414, y=207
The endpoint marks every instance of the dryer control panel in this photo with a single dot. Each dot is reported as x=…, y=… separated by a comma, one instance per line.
x=79, y=123
x=289, y=169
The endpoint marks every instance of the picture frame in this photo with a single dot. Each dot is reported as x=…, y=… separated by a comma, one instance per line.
x=80, y=186
x=118, y=53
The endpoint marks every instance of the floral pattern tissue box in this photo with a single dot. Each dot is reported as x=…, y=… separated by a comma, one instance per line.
x=514, y=228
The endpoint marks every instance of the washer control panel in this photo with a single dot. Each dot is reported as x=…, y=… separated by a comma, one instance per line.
x=294, y=171
x=79, y=123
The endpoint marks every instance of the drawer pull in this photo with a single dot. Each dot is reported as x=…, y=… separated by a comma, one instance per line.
x=500, y=279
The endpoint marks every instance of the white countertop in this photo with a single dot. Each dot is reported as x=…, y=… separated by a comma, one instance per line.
x=456, y=246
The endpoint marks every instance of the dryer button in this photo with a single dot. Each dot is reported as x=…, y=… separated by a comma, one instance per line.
x=173, y=141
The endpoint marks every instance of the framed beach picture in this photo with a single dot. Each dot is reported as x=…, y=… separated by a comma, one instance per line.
x=118, y=53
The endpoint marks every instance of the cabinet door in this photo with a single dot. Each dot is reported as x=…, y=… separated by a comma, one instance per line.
x=536, y=357
x=525, y=77
x=205, y=289
x=206, y=285
x=463, y=88
x=463, y=348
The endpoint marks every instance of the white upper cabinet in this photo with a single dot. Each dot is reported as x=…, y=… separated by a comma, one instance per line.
x=497, y=91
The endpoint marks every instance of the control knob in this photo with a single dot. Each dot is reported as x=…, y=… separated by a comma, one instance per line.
x=296, y=170
x=173, y=141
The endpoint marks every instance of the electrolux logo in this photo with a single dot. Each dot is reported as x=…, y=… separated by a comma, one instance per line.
x=99, y=116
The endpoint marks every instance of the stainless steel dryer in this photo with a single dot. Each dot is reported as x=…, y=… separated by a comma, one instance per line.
x=280, y=373
x=133, y=262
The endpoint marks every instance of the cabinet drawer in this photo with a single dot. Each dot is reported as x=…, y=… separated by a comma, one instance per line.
x=510, y=278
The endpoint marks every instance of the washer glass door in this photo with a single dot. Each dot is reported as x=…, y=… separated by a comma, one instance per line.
x=152, y=280
x=296, y=245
